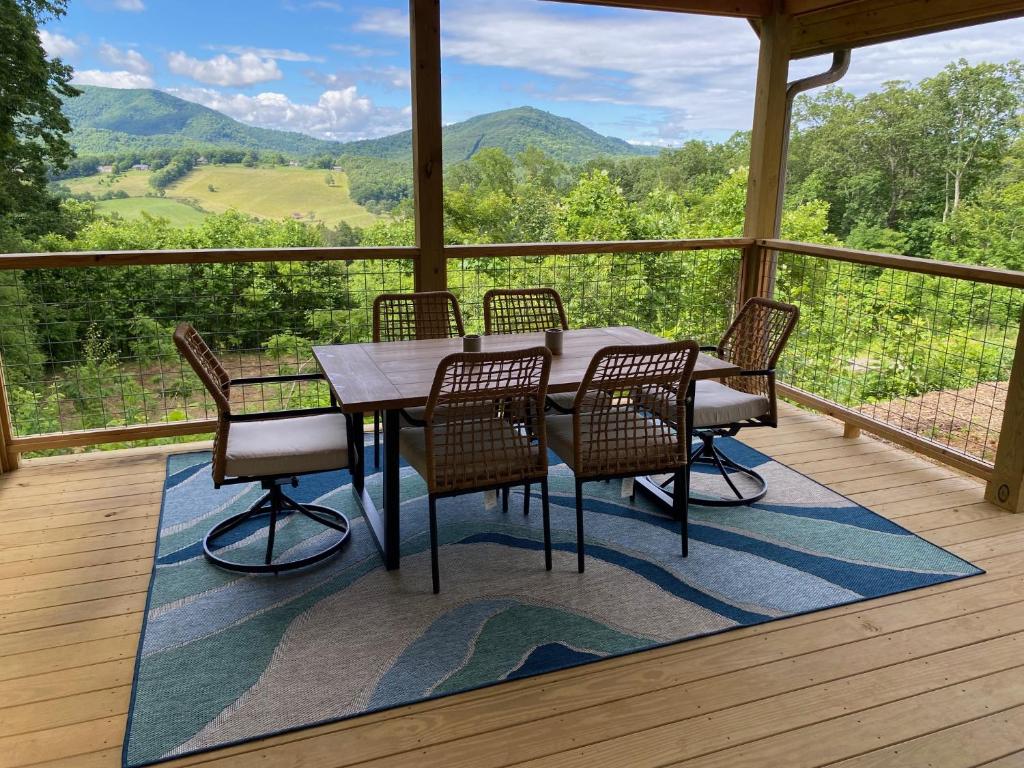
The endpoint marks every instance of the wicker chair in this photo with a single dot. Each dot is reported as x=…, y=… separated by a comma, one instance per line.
x=523, y=311
x=408, y=317
x=472, y=440
x=527, y=310
x=611, y=433
x=272, y=448
x=754, y=341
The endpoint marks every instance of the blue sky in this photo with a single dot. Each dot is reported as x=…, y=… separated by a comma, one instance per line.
x=338, y=69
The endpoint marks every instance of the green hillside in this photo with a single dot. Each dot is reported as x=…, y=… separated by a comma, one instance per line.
x=108, y=121
x=512, y=130
x=111, y=120
x=178, y=214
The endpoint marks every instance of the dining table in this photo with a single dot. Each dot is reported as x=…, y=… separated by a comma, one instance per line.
x=391, y=376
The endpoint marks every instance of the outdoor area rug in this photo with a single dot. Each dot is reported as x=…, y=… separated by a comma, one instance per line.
x=226, y=658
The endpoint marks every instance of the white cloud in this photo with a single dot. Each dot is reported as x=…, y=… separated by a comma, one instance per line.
x=245, y=69
x=56, y=45
x=130, y=60
x=324, y=5
x=695, y=74
x=281, y=54
x=114, y=79
x=130, y=5
x=338, y=114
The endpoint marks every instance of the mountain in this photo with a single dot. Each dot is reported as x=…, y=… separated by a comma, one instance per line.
x=512, y=130
x=111, y=120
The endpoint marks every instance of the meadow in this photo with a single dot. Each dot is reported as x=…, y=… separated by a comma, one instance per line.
x=268, y=192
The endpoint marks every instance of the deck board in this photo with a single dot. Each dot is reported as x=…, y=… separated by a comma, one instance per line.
x=930, y=677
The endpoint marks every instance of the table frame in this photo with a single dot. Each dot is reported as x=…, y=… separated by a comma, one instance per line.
x=344, y=364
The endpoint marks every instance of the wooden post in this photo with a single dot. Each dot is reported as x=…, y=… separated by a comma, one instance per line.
x=851, y=431
x=425, y=44
x=767, y=162
x=9, y=458
x=1006, y=487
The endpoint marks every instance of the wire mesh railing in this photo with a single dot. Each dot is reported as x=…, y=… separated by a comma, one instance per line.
x=90, y=348
x=927, y=354
x=677, y=294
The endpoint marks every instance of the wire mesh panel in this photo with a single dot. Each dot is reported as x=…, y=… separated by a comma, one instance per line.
x=684, y=294
x=88, y=348
x=930, y=355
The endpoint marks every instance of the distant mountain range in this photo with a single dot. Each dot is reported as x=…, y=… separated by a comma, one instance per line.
x=112, y=120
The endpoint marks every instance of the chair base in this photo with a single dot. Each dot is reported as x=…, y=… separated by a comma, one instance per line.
x=710, y=455
x=273, y=503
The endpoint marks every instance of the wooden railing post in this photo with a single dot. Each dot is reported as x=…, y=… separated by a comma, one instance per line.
x=767, y=160
x=425, y=49
x=1006, y=486
x=9, y=457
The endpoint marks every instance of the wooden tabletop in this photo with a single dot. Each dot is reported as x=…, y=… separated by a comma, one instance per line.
x=398, y=374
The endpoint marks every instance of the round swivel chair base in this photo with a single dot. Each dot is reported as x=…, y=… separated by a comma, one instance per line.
x=325, y=516
x=708, y=454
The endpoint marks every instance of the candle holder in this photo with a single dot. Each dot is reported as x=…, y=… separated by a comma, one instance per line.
x=553, y=340
x=472, y=343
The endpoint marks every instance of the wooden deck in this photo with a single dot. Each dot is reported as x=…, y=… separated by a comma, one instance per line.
x=933, y=677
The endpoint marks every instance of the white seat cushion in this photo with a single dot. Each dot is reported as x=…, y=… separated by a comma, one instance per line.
x=627, y=439
x=287, y=446
x=715, y=404
x=564, y=400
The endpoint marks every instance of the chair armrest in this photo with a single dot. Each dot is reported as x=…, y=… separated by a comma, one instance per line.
x=764, y=372
x=556, y=407
x=274, y=379
x=708, y=349
x=267, y=415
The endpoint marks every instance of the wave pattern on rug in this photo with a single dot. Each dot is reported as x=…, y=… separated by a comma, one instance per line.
x=225, y=657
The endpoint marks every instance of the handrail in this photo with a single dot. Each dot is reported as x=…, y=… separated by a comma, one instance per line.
x=594, y=247
x=77, y=259
x=978, y=274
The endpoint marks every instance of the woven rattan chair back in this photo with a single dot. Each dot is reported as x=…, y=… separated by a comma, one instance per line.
x=485, y=420
x=755, y=340
x=615, y=429
x=217, y=382
x=409, y=316
x=527, y=310
x=206, y=365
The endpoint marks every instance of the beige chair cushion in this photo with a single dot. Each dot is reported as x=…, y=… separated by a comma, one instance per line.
x=715, y=404
x=288, y=446
x=631, y=443
x=481, y=463
x=419, y=413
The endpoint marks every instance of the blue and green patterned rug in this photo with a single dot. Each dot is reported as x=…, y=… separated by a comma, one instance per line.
x=226, y=658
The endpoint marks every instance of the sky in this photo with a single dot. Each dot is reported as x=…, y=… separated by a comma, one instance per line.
x=338, y=69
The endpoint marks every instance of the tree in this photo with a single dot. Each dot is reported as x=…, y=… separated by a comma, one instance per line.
x=977, y=110
x=32, y=126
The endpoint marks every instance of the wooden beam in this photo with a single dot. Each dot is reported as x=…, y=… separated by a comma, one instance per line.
x=916, y=443
x=1006, y=487
x=824, y=27
x=9, y=457
x=425, y=50
x=767, y=162
x=741, y=8
x=105, y=435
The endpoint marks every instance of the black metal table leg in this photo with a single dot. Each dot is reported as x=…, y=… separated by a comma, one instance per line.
x=392, y=500
x=383, y=524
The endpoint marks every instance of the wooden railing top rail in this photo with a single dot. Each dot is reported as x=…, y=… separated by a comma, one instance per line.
x=198, y=256
x=978, y=274
x=225, y=255
x=594, y=247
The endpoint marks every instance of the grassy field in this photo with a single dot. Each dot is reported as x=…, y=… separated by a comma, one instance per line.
x=273, y=193
x=179, y=214
x=135, y=183
x=278, y=192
